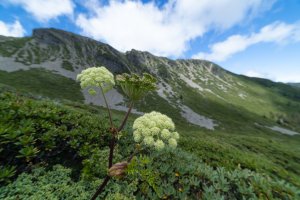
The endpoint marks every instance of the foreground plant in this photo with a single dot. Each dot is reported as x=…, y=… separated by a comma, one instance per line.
x=153, y=130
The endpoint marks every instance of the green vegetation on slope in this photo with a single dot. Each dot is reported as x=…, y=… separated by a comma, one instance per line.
x=232, y=99
x=67, y=65
x=237, y=141
x=11, y=45
x=295, y=84
x=282, y=102
x=39, y=134
x=42, y=82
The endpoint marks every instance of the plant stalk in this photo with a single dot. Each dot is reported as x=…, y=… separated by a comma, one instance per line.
x=108, y=109
x=101, y=187
x=132, y=155
x=111, y=151
x=113, y=140
x=112, y=145
x=126, y=117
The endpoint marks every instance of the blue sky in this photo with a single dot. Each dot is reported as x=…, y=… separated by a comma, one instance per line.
x=255, y=37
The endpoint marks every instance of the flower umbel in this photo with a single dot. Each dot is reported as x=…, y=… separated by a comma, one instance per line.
x=134, y=86
x=98, y=77
x=155, y=130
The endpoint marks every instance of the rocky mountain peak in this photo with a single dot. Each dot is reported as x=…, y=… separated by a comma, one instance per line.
x=56, y=36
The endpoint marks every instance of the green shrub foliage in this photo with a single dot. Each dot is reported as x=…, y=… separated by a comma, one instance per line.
x=162, y=175
x=37, y=134
x=34, y=132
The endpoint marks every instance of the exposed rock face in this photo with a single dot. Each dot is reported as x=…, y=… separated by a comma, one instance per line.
x=116, y=100
x=86, y=51
x=283, y=130
x=51, y=36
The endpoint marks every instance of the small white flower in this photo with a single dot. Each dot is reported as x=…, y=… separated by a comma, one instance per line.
x=148, y=141
x=155, y=130
x=165, y=134
x=172, y=143
x=175, y=135
x=159, y=145
x=146, y=132
x=137, y=136
x=92, y=91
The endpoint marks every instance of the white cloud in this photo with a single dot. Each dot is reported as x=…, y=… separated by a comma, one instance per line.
x=15, y=29
x=277, y=32
x=280, y=76
x=164, y=31
x=44, y=10
x=253, y=73
x=288, y=78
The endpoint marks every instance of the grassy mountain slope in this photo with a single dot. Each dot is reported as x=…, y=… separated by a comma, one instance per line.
x=36, y=134
x=42, y=82
x=202, y=92
x=223, y=117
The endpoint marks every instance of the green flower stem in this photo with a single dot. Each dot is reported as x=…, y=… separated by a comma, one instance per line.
x=108, y=109
x=126, y=117
x=136, y=150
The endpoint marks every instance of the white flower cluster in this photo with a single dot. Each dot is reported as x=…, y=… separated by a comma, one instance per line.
x=155, y=130
x=96, y=77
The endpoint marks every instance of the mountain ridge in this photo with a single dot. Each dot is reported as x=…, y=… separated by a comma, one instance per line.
x=180, y=81
x=294, y=84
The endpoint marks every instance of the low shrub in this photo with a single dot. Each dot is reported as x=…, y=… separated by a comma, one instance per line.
x=35, y=135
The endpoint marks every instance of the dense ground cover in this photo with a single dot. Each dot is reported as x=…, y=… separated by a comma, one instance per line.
x=237, y=141
x=53, y=149
x=39, y=81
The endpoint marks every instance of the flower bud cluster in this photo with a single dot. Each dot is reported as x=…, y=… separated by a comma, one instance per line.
x=98, y=77
x=155, y=130
x=135, y=86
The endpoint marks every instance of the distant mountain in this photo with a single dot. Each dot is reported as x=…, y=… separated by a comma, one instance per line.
x=198, y=92
x=295, y=84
